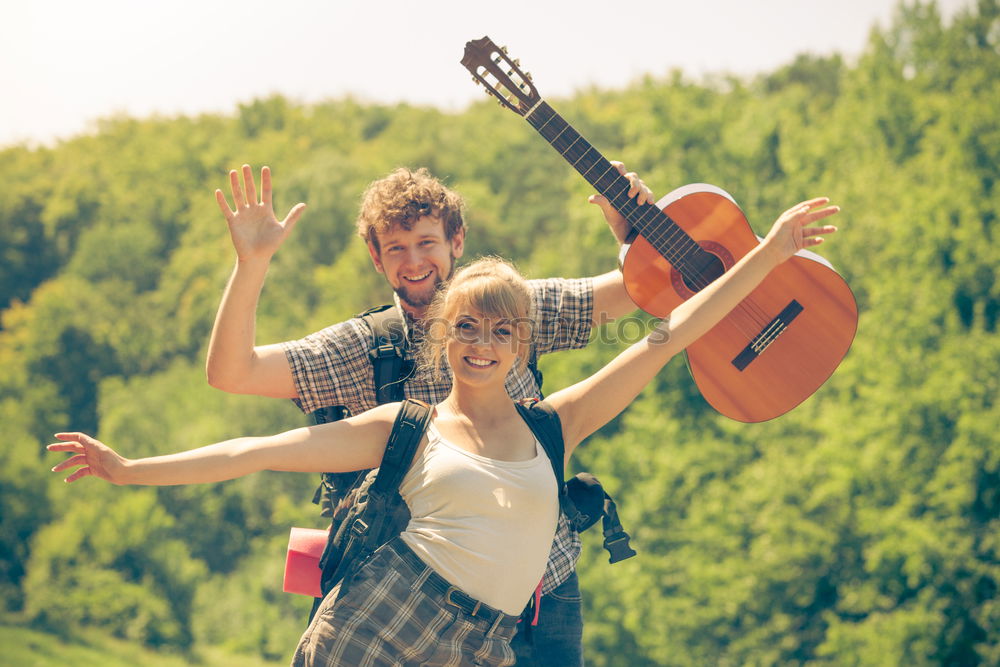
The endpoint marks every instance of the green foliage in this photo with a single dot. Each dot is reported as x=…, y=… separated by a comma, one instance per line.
x=26, y=506
x=245, y=612
x=861, y=528
x=113, y=562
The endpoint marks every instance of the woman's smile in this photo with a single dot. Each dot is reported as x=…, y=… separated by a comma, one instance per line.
x=479, y=362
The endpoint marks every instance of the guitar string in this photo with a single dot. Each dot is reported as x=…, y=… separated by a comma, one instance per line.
x=622, y=201
x=747, y=315
x=674, y=237
x=659, y=240
x=772, y=329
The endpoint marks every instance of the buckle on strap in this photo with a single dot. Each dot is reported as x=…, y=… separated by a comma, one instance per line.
x=617, y=545
x=385, y=351
x=454, y=603
x=359, y=527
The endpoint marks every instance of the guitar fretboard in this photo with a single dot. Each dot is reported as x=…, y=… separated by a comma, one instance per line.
x=655, y=226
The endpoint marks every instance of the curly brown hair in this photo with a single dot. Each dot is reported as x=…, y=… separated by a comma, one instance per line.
x=402, y=198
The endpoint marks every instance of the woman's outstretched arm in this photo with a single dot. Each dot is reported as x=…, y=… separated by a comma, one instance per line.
x=356, y=443
x=586, y=406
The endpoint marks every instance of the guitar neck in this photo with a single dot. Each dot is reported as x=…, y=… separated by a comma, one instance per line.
x=655, y=226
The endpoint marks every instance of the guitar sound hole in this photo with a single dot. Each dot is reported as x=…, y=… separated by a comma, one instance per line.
x=698, y=273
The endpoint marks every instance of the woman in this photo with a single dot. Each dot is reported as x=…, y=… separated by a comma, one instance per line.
x=480, y=491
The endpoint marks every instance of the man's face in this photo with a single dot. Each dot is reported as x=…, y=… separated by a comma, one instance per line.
x=416, y=260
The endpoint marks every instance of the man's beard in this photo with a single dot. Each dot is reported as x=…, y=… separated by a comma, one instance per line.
x=425, y=299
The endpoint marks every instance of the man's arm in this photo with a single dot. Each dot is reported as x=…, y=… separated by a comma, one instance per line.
x=611, y=301
x=234, y=363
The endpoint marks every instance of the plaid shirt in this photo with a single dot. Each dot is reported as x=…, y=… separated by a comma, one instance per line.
x=332, y=367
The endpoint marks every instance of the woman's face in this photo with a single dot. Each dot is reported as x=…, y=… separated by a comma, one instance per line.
x=481, y=350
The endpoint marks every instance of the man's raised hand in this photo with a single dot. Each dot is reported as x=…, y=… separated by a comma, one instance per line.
x=253, y=227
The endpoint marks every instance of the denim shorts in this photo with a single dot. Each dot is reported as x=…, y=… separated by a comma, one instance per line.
x=398, y=611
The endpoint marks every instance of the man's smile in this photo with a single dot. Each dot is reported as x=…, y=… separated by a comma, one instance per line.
x=417, y=278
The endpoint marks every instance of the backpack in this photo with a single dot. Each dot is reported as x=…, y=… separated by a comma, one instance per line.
x=377, y=512
x=345, y=498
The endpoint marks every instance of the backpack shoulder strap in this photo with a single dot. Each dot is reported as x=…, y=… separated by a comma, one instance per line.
x=545, y=424
x=535, y=371
x=387, y=351
x=386, y=348
x=407, y=430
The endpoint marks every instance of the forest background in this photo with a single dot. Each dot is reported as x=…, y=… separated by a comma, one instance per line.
x=862, y=528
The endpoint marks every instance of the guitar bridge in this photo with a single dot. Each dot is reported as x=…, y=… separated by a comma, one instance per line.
x=767, y=335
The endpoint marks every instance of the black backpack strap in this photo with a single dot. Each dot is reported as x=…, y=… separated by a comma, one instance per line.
x=407, y=431
x=388, y=352
x=616, y=540
x=389, y=368
x=331, y=483
x=545, y=424
x=536, y=372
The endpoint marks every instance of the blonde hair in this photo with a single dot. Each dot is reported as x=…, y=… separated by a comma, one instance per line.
x=402, y=198
x=494, y=289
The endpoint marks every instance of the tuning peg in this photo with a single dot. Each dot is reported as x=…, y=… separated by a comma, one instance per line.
x=504, y=49
x=527, y=75
x=477, y=81
x=517, y=62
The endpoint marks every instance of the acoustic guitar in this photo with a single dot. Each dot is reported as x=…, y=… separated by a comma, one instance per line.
x=779, y=345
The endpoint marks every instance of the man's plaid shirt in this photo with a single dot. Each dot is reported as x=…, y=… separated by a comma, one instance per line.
x=332, y=367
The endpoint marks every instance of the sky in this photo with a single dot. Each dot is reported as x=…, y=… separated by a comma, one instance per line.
x=66, y=63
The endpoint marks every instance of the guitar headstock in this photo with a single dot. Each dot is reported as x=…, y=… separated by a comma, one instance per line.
x=501, y=76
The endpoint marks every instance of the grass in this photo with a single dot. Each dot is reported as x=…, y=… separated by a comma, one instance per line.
x=24, y=647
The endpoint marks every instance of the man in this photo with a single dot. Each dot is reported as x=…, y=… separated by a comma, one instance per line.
x=415, y=232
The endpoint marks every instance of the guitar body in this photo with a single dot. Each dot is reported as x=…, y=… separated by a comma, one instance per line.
x=780, y=344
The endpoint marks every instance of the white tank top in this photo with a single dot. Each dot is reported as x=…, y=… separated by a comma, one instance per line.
x=484, y=525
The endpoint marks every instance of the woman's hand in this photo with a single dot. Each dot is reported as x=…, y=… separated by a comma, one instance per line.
x=93, y=456
x=793, y=229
